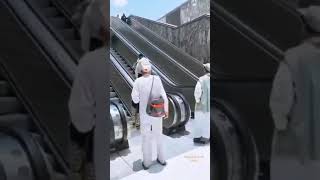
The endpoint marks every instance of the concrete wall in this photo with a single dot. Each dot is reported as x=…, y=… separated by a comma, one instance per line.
x=164, y=30
x=192, y=37
x=187, y=12
x=194, y=9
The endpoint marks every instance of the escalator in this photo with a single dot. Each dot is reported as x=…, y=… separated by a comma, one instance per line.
x=179, y=110
x=26, y=144
x=180, y=75
x=26, y=151
x=243, y=72
x=129, y=54
x=40, y=68
x=174, y=52
x=66, y=35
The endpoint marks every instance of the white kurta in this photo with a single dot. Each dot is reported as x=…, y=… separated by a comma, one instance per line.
x=151, y=127
x=202, y=117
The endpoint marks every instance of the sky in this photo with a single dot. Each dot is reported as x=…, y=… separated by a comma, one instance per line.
x=150, y=9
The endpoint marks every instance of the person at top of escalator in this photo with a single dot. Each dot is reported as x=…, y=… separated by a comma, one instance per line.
x=124, y=18
x=88, y=103
x=202, y=108
x=94, y=25
x=295, y=104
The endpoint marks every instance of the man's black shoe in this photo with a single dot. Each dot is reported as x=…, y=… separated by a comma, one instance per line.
x=197, y=140
x=162, y=163
x=144, y=167
x=204, y=140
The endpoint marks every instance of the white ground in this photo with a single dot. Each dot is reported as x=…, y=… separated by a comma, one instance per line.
x=185, y=160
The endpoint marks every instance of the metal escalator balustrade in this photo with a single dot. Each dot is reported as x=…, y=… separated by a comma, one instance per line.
x=119, y=116
x=56, y=21
x=179, y=74
x=129, y=54
x=21, y=141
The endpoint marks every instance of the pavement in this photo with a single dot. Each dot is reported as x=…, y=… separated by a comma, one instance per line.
x=185, y=160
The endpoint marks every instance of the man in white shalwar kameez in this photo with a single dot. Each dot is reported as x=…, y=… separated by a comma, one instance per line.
x=151, y=127
x=202, y=108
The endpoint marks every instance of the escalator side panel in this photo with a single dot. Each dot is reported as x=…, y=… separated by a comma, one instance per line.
x=120, y=85
x=25, y=62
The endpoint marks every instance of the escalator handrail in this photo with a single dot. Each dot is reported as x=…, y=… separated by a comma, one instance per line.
x=24, y=101
x=65, y=70
x=159, y=50
x=136, y=52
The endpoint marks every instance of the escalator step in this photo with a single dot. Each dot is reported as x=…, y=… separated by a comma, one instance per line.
x=59, y=176
x=115, y=99
x=51, y=160
x=10, y=105
x=59, y=22
x=51, y=12
x=1, y=75
x=16, y=120
x=5, y=89
x=39, y=139
x=68, y=34
x=111, y=89
x=41, y=3
x=112, y=94
x=76, y=45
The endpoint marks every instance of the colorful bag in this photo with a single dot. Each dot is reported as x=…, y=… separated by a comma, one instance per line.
x=155, y=106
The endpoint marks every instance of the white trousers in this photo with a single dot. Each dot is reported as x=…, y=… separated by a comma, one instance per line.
x=201, y=124
x=152, y=132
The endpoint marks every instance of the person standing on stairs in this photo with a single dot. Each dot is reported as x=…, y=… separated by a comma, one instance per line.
x=202, y=108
